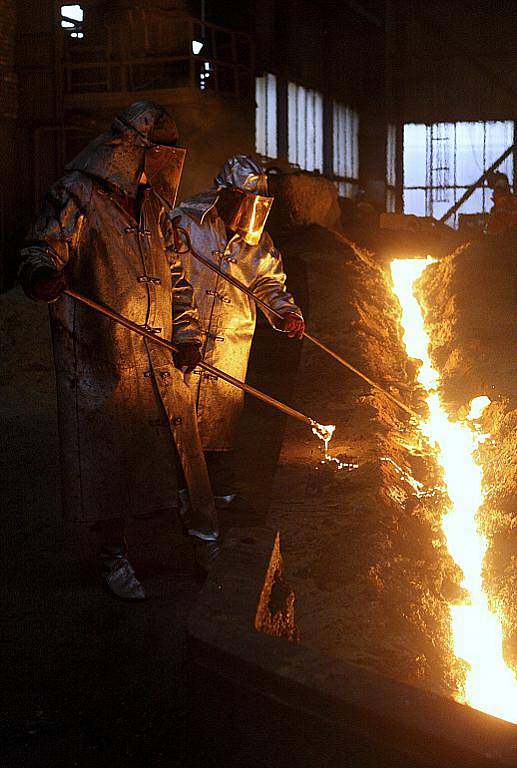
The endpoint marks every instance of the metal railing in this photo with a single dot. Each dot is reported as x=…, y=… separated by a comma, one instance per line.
x=153, y=51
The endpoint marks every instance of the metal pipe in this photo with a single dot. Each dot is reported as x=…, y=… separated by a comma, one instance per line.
x=470, y=190
x=161, y=342
x=237, y=284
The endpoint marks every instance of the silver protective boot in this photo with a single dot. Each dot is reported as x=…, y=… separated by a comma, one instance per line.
x=223, y=502
x=119, y=575
x=206, y=551
x=184, y=503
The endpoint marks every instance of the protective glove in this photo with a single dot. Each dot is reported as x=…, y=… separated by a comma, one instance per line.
x=293, y=325
x=46, y=284
x=187, y=357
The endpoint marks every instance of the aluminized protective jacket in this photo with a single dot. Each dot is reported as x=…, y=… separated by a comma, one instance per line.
x=227, y=315
x=122, y=405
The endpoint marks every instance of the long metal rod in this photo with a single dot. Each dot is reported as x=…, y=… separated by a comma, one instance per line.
x=161, y=342
x=468, y=192
x=237, y=284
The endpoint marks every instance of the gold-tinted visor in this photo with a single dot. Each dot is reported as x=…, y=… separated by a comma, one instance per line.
x=164, y=167
x=249, y=217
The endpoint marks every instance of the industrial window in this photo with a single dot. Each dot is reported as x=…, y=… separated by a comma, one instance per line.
x=305, y=128
x=345, y=148
x=442, y=160
x=266, y=142
x=391, y=167
x=72, y=17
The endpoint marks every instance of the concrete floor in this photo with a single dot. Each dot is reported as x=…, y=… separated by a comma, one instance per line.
x=92, y=681
x=88, y=681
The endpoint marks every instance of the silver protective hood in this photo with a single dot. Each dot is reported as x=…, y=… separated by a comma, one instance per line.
x=117, y=156
x=242, y=172
x=244, y=182
x=239, y=172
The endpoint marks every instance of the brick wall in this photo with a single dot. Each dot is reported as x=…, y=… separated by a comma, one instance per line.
x=8, y=85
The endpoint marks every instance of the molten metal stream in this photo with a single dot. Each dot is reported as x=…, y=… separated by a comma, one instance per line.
x=325, y=432
x=491, y=686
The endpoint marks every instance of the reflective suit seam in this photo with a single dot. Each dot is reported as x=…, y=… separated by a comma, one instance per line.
x=207, y=339
x=141, y=228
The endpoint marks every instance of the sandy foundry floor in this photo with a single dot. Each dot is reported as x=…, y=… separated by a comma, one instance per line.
x=87, y=681
x=365, y=555
x=91, y=681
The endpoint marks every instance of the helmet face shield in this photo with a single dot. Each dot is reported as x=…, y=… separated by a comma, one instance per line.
x=163, y=166
x=249, y=216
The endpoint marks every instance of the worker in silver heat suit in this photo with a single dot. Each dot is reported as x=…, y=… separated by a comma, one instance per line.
x=126, y=415
x=225, y=225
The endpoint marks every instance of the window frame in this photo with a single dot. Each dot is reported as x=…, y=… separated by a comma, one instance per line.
x=266, y=118
x=305, y=149
x=345, y=123
x=431, y=189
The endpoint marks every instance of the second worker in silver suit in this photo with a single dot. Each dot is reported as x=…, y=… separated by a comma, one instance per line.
x=225, y=225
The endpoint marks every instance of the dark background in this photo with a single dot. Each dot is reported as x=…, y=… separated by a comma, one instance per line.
x=393, y=61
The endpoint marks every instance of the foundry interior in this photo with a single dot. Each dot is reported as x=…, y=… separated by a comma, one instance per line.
x=361, y=610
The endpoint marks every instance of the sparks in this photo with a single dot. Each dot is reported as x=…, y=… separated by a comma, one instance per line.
x=477, y=406
x=325, y=432
x=491, y=686
x=418, y=488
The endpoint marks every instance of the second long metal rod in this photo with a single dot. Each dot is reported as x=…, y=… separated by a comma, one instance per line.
x=237, y=284
x=160, y=341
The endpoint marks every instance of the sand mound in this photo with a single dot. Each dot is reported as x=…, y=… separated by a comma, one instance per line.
x=365, y=556
x=301, y=200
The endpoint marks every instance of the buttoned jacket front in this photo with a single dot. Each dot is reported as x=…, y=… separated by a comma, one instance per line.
x=124, y=409
x=227, y=316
